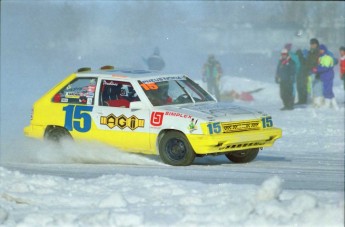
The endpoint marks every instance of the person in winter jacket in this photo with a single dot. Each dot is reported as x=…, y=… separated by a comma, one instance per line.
x=212, y=72
x=342, y=63
x=297, y=62
x=301, y=79
x=314, y=84
x=285, y=76
x=326, y=72
x=155, y=61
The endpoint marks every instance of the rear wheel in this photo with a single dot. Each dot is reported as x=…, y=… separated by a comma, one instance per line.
x=243, y=156
x=175, y=149
x=56, y=134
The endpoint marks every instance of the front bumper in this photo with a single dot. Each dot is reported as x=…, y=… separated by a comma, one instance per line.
x=227, y=142
x=34, y=131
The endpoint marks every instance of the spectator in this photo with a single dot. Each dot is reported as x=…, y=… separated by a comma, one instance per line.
x=342, y=63
x=155, y=61
x=212, y=72
x=296, y=60
x=302, y=79
x=313, y=80
x=285, y=76
x=326, y=72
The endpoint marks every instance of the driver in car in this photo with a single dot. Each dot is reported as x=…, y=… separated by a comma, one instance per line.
x=160, y=97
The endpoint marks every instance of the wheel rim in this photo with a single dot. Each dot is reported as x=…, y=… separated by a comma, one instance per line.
x=176, y=149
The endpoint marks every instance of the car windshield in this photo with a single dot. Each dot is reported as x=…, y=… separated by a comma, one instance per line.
x=174, y=90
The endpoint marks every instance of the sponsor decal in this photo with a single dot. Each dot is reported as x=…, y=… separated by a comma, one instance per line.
x=91, y=88
x=110, y=82
x=90, y=95
x=89, y=101
x=174, y=114
x=192, y=125
x=161, y=79
x=157, y=118
x=72, y=95
x=239, y=126
x=122, y=122
x=75, y=89
x=64, y=100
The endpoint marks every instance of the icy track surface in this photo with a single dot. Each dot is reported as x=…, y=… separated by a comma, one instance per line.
x=297, y=182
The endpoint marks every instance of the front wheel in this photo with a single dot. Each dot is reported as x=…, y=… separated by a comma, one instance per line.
x=175, y=149
x=243, y=156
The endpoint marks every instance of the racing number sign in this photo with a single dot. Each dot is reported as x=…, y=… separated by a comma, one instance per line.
x=78, y=118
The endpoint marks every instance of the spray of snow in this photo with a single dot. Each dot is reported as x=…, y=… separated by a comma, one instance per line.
x=36, y=151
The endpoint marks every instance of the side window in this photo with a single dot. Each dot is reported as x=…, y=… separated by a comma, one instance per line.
x=80, y=91
x=117, y=94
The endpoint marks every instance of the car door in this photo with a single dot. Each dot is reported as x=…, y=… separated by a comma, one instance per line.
x=118, y=124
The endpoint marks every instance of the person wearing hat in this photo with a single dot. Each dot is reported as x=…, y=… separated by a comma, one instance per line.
x=285, y=76
x=295, y=59
x=326, y=72
x=212, y=72
x=311, y=62
x=302, y=79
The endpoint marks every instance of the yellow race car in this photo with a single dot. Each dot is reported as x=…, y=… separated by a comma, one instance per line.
x=151, y=113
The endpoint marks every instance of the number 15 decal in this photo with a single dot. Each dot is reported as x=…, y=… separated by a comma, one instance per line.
x=267, y=122
x=214, y=127
x=75, y=115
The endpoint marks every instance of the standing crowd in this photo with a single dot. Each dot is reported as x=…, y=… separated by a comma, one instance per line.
x=307, y=74
x=310, y=74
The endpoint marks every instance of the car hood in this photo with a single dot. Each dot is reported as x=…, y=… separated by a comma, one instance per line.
x=217, y=111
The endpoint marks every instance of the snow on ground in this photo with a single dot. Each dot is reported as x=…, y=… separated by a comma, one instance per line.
x=122, y=200
x=212, y=192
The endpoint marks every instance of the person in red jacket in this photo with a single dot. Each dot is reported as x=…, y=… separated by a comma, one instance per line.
x=342, y=64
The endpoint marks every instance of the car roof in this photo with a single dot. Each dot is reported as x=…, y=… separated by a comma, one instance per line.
x=137, y=74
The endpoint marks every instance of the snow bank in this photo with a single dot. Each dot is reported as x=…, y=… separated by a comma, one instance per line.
x=121, y=200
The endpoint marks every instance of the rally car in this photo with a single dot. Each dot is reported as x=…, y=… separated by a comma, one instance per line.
x=151, y=113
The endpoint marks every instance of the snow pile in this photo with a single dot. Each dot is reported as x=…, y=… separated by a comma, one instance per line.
x=122, y=200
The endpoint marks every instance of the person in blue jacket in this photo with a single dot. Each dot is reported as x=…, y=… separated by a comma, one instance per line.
x=326, y=72
x=285, y=76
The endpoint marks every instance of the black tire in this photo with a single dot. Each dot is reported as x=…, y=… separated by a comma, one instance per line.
x=175, y=149
x=243, y=156
x=56, y=134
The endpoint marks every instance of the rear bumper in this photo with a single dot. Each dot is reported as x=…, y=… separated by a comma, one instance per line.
x=227, y=142
x=34, y=131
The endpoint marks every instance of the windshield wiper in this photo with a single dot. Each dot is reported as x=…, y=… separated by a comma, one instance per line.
x=190, y=96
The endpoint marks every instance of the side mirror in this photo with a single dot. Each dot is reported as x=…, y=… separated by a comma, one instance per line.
x=138, y=105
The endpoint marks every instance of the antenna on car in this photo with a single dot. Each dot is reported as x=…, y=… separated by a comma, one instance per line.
x=107, y=67
x=84, y=69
